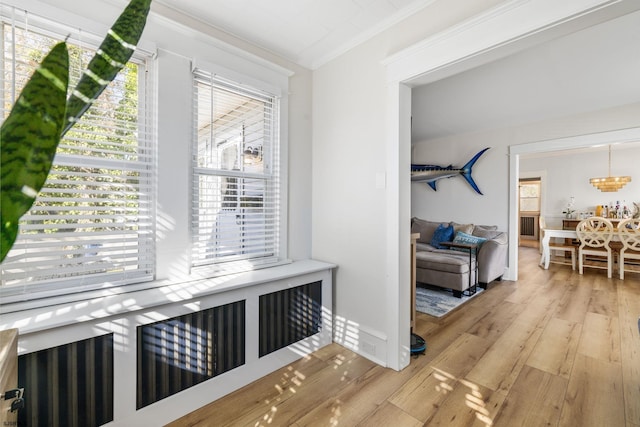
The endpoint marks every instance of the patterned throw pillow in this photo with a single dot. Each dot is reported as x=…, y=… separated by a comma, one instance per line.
x=442, y=234
x=467, y=239
x=465, y=228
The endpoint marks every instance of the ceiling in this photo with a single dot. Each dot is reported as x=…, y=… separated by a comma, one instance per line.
x=306, y=32
x=593, y=69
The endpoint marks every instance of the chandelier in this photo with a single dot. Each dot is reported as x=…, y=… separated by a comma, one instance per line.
x=610, y=184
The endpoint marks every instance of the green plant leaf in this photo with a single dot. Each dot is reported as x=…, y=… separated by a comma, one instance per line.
x=114, y=53
x=29, y=138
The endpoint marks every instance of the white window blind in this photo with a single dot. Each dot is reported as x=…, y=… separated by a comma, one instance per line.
x=235, y=209
x=92, y=225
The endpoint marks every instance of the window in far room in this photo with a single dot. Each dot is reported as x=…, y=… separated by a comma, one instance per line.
x=529, y=210
x=530, y=195
x=236, y=200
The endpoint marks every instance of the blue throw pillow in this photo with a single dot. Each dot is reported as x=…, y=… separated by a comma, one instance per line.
x=442, y=234
x=468, y=239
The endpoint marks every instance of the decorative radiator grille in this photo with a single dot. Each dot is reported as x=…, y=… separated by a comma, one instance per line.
x=529, y=227
x=73, y=384
x=69, y=385
x=183, y=351
x=289, y=316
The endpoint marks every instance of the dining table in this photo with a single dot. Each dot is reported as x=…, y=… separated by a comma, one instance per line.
x=548, y=234
x=560, y=233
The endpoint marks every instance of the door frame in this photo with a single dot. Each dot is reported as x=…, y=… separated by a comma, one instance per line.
x=510, y=27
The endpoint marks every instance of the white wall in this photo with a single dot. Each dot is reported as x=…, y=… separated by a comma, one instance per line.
x=349, y=176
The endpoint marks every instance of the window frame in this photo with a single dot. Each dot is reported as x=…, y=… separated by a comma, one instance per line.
x=530, y=182
x=69, y=288
x=175, y=49
x=273, y=173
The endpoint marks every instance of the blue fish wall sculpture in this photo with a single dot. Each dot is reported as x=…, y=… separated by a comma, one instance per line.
x=432, y=173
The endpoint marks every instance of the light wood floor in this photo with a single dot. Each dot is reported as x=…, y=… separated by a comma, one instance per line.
x=553, y=349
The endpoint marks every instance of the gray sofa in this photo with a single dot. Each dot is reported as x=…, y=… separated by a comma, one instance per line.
x=448, y=268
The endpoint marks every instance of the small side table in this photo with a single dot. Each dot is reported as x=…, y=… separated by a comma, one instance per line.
x=473, y=253
x=414, y=239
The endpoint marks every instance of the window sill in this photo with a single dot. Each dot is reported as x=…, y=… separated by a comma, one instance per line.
x=56, y=314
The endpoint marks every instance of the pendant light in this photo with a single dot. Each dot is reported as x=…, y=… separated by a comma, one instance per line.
x=610, y=184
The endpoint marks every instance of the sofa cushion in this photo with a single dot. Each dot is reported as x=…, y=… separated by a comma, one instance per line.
x=424, y=247
x=445, y=262
x=486, y=233
x=442, y=234
x=425, y=228
x=486, y=227
x=467, y=239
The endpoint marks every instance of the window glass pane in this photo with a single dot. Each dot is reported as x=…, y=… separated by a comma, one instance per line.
x=234, y=219
x=92, y=222
x=529, y=190
x=235, y=205
x=530, y=196
x=529, y=205
x=228, y=118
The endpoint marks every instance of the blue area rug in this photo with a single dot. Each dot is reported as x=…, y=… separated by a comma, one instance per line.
x=437, y=301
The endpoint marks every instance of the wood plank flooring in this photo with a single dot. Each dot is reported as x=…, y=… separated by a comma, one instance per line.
x=553, y=349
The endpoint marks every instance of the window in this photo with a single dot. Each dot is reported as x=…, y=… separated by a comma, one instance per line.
x=236, y=202
x=92, y=224
x=530, y=195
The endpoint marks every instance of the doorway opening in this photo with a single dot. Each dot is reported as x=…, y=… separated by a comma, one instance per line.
x=529, y=196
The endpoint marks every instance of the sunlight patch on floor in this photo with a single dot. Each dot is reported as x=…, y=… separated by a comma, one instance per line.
x=473, y=398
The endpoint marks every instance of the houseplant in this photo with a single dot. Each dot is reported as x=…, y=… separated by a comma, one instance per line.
x=42, y=114
x=569, y=210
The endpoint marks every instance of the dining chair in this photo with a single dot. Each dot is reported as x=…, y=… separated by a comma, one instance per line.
x=594, y=234
x=557, y=246
x=629, y=235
